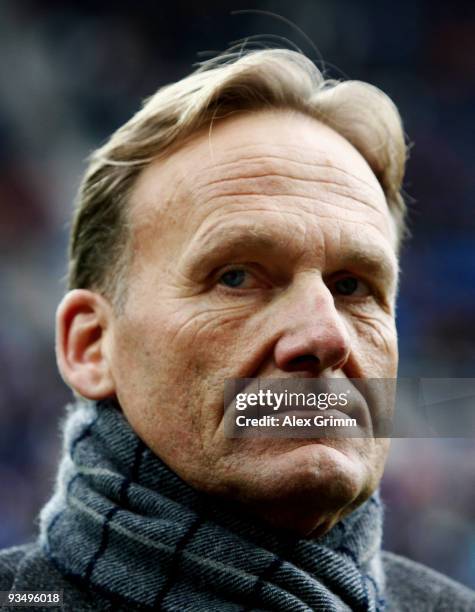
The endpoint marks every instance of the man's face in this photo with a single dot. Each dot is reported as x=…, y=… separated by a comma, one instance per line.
x=261, y=248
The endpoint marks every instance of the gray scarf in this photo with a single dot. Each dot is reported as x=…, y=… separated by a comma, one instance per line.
x=120, y=522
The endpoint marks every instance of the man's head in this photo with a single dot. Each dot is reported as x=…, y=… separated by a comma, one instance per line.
x=244, y=224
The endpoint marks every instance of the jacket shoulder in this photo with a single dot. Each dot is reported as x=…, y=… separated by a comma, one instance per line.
x=412, y=586
x=10, y=559
x=28, y=568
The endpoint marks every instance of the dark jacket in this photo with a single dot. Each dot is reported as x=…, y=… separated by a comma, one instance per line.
x=410, y=587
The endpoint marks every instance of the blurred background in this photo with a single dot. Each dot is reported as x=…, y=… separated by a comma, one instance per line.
x=71, y=73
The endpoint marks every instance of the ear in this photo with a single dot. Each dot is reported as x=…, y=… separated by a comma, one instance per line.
x=83, y=323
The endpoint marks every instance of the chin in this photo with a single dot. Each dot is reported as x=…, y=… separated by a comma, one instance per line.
x=308, y=489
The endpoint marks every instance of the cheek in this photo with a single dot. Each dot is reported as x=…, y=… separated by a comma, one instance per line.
x=211, y=337
x=179, y=353
x=159, y=385
x=374, y=341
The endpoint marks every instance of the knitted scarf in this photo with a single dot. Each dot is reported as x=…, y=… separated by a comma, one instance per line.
x=122, y=523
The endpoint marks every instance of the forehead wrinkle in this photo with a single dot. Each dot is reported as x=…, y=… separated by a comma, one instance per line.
x=264, y=176
x=299, y=161
x=345, y=180
x=313, y=206
x=272, y=185
x=275, y=173
x=246, y=201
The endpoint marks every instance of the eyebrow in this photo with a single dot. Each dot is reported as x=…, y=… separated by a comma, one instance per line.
x=252, y=241
x=231, y=242
x=375, y=262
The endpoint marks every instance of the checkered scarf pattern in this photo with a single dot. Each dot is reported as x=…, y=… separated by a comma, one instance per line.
x=121, y=523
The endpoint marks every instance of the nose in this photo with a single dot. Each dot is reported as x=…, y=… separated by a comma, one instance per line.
x=315, y=337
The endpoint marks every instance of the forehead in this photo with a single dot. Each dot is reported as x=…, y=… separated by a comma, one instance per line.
x=255, y=162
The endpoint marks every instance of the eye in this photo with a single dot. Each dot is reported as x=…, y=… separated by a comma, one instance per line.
x=351, y=286
x=233, y=278
x=237, y=278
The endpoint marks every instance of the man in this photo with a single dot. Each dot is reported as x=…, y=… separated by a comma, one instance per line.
x=244, y=224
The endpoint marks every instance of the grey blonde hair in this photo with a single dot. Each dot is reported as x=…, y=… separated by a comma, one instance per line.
x=271, y=78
